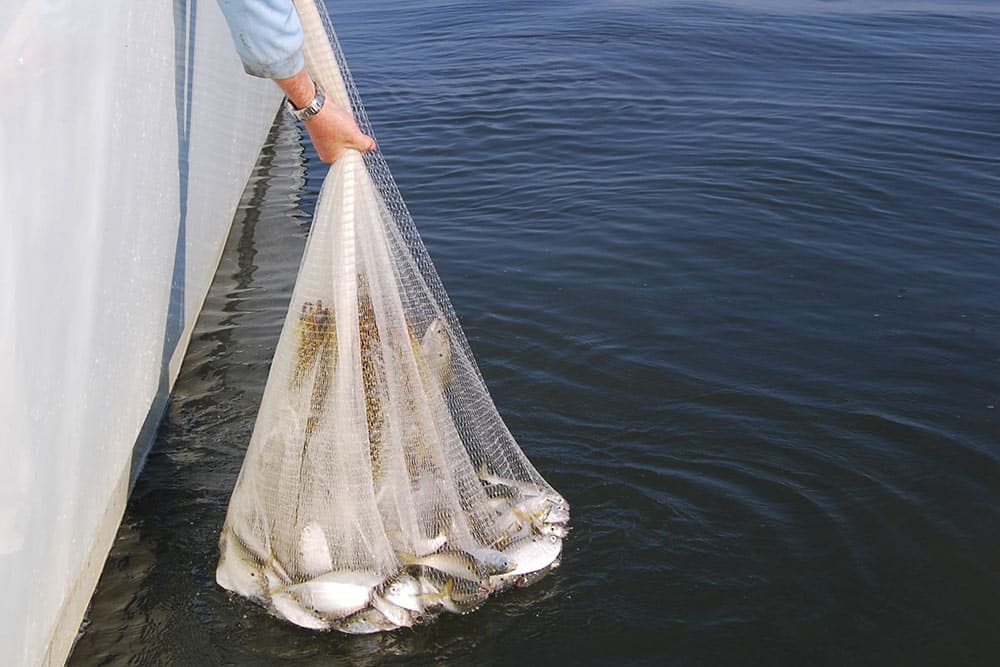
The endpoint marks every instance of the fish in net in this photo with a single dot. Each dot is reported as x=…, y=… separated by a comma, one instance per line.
x=380, y=487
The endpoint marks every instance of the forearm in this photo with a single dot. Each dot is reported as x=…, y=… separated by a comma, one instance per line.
x=268, y=38
x=298, y=88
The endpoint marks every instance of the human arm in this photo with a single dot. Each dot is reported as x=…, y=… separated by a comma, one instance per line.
x=333, y=129
x=268, y=38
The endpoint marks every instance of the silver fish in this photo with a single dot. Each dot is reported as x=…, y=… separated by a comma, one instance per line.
x=417, y=545
x=436, y=349
x=559, y=512
x=547, y=514
x=253, y=540
x=366, y=622
x=314, y=551
x=398, y=616
x=501, y=492
x=556, y=529
x=425, y=546
x=516, y=523
x=499, y=506
x=450, y=562
x=337, y=594
x=241, y=571
x=404, y=591
x=290, y=607
x=492, y=561
x=455, y=594
x=514, y=487
x=276, y=575
x=532, y=554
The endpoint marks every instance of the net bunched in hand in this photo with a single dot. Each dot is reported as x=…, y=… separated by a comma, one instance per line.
x=380, y=486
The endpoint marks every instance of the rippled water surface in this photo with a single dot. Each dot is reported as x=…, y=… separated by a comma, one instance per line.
x=732, y=274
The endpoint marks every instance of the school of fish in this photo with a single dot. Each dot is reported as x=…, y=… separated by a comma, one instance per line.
x=444, y=579
x=441, y=577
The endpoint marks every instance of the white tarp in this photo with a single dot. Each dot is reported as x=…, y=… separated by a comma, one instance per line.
x=127, y=131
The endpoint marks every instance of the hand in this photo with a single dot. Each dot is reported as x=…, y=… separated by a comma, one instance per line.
x=333, y=129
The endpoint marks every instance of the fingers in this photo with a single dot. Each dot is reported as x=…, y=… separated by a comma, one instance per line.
x=330, y=154
x=333, y=130
x=362, y=142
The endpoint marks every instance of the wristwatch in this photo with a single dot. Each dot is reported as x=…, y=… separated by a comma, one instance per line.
x=309, y=110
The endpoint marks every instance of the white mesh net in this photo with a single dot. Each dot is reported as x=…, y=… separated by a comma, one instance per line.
x=380, y=486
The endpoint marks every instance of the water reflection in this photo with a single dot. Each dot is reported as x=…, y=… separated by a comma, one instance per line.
x=160, y=570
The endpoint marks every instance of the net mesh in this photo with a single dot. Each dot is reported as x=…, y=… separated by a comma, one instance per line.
x=380, y=486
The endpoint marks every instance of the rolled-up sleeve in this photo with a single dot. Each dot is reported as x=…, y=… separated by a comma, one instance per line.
x=267, y=35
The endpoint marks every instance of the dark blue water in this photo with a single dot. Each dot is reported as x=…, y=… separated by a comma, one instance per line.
x=732, y=274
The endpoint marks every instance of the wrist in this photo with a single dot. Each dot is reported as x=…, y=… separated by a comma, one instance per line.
x=310, y=109
x=299, y=89
x=303, y=96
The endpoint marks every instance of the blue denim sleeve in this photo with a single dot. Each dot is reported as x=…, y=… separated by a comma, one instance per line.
x=267, y=35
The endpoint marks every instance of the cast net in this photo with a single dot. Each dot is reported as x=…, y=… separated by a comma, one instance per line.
x=380, y=486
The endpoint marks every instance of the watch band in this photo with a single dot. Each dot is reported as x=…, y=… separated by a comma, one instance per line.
x=309, y=110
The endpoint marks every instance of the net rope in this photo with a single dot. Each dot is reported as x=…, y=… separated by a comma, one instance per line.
x=380, y=486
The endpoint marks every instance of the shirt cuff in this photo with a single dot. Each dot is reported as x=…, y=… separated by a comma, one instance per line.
x=283, y=69
x=267, y=36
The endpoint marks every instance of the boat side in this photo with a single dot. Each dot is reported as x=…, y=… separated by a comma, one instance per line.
x=127, y=133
